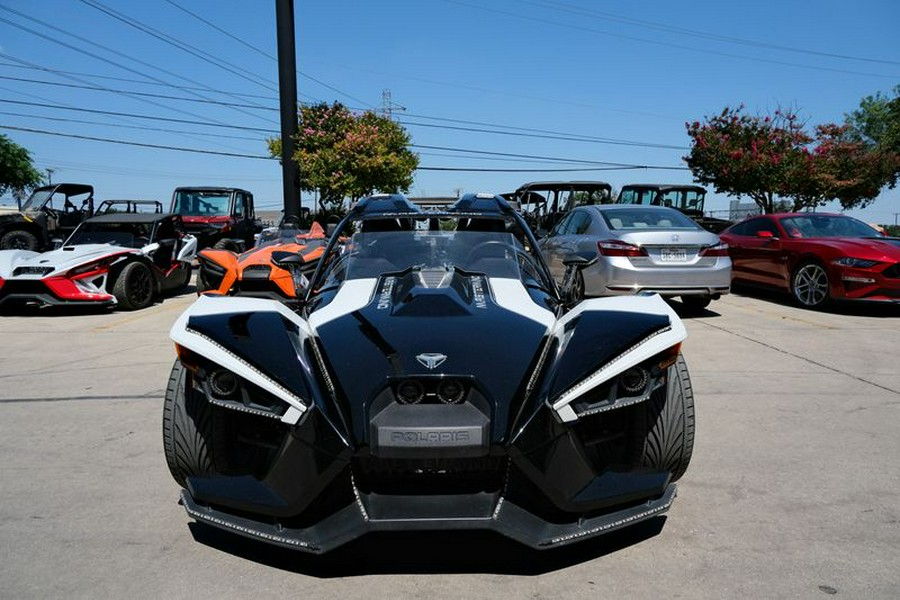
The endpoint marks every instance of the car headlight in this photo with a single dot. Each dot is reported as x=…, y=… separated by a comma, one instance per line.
x=860, y=263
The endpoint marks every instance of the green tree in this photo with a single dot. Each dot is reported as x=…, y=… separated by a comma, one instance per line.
x=16, y=168
x=877, y=124
x=347, y=155
x=772, y=157
x=844, y=168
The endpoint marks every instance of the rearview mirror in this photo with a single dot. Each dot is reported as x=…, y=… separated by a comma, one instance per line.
x=292, y=263
x=578, y=262
x=572, y=288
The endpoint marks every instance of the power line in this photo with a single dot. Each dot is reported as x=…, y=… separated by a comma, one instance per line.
x=547, y=137
x=599, y=14
x=217, y=134
x=660, y=43
x=610, y=167
x=183, y=46
x=152, y=83
x=97, y=88
x=263, y=52
x=140, y=116
x=69, y=34
x=138, y=144
x=517, y=131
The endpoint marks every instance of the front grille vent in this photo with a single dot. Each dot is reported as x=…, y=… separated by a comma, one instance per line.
x=33, y=271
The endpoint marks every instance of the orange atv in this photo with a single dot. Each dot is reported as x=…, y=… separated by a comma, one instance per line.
x=253, y=273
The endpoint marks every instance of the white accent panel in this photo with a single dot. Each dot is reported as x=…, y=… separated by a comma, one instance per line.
x=211, y=305
x=292, y=415
x=61, y=260
x=654, y=345
x=512, y=295
x=352, y=295
x=188, y=249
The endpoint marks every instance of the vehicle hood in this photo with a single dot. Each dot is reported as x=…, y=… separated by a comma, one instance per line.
x=880, y=249
x=485, y=331
x=7, y=210
x=54, y=262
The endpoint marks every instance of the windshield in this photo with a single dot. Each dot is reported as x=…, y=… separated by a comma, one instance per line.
x=647, y=218
x=495, y=254
x=819, y=226
x=37, y=200
x=129, y=235
x=202, y=203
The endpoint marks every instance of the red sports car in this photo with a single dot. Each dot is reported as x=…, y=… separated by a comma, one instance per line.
x=816, y=257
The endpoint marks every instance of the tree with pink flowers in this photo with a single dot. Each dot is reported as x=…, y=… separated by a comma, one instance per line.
x=343, y=154
x=772, y=157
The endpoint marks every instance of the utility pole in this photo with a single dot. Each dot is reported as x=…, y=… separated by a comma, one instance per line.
x=387, y=104
x=287, y=87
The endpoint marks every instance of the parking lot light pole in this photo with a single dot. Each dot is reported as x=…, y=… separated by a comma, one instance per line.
x=287, y=86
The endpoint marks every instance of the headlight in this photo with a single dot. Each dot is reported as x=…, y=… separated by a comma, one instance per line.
x=859, y=263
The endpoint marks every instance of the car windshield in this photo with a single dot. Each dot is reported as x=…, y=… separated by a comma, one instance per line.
x=819, y=226
x=37, y=200
x=129, y=235
x=202, y=203
x=371, y=254
x=647, y=218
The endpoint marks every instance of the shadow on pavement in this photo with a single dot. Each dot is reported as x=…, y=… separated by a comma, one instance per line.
x=849, y=308
x=427, y=552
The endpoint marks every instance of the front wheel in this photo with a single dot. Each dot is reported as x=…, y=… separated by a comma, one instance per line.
x=188, y=428
x=809, y=285
x=664, y=424
x=134, y=287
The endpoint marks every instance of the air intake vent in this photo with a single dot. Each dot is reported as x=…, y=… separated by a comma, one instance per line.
x=435, y=278
x=33, y=271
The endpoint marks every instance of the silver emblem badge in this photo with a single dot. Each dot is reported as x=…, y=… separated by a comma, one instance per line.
x=676, y=237
x=431, y=360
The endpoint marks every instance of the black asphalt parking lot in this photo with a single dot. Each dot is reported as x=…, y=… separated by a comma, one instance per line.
x=793, y=492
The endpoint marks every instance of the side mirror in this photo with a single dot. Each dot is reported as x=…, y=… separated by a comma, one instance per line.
x=765, y=234
x=574, y=264
x=578, y=262
x=292, y=262
x=150, y=249
x=287, y=260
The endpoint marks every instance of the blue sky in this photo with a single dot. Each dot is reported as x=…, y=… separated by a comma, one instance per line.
x=625, y=72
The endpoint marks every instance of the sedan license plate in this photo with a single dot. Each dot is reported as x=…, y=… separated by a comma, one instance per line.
x=673, y=255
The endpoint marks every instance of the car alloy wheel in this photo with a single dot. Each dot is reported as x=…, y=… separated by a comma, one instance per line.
x=810, y=285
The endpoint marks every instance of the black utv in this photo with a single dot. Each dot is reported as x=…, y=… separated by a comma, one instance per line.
x=51, y=212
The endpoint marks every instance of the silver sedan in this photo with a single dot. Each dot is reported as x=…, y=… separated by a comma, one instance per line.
x=639, y=248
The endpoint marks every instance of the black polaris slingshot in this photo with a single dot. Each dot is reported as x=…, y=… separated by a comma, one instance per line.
x=433, y=377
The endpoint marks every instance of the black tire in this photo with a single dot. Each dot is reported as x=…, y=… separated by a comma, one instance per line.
x=577, y=294
x=226, y=245
x=134, y=287
x=810, y=285
x=695, y=303
x=19, y=239
x=189, y=427
x=664, y=424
